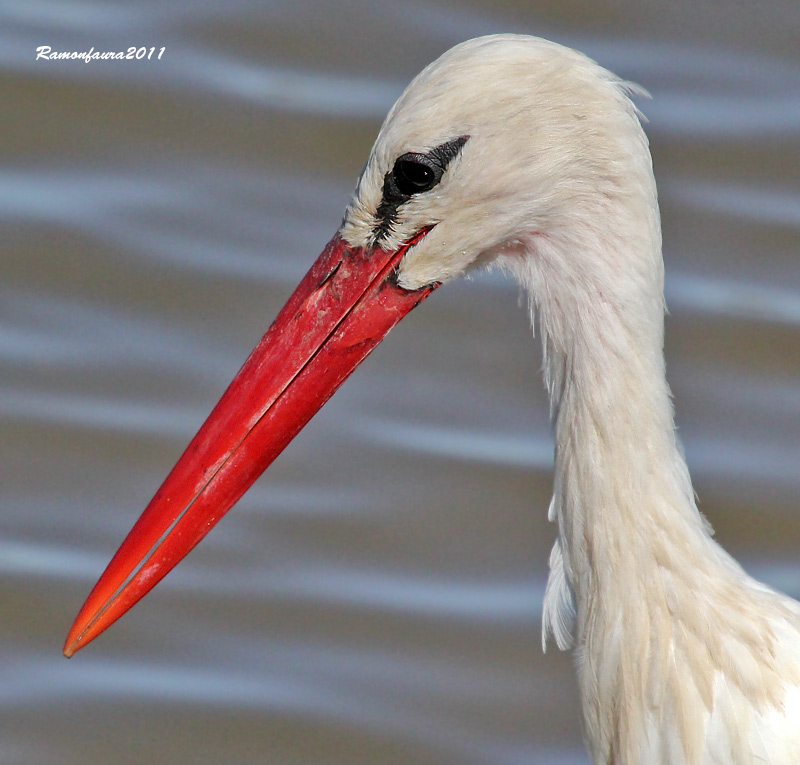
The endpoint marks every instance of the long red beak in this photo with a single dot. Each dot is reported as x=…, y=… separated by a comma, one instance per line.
x=341, y=310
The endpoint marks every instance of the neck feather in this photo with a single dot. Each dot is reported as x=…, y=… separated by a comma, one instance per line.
x=655, y=608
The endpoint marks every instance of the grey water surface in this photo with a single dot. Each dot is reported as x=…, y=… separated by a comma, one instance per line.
x=376, y=597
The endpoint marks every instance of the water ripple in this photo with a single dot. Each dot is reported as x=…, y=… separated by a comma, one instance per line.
x=316, y=93
x=768, y=207
x=95, y=413
x=717, y=296
x=491, y=448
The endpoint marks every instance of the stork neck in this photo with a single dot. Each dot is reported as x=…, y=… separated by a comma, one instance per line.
x=623, y=487
x=632, y=543
x=636, y=552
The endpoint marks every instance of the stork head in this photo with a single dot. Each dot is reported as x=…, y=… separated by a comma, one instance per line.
x=503, y=139
x=503, y=143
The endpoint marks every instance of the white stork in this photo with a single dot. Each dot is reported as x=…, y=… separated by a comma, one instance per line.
x=515, y=152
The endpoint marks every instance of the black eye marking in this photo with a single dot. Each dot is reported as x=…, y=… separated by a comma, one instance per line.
x=413, y=173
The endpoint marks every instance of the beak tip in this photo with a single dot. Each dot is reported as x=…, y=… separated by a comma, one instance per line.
x=75, y=641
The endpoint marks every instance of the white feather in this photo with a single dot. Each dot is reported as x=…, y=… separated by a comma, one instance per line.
x=558, y=616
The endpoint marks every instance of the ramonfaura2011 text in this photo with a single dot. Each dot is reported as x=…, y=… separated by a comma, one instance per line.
x=131, y=54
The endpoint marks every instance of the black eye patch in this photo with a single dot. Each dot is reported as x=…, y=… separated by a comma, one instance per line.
x=413, y=173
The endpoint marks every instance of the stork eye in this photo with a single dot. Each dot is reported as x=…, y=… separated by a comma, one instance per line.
x=413, y=175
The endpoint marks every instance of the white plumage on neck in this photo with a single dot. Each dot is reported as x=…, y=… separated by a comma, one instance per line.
x=682, y=658
x=667, y=627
